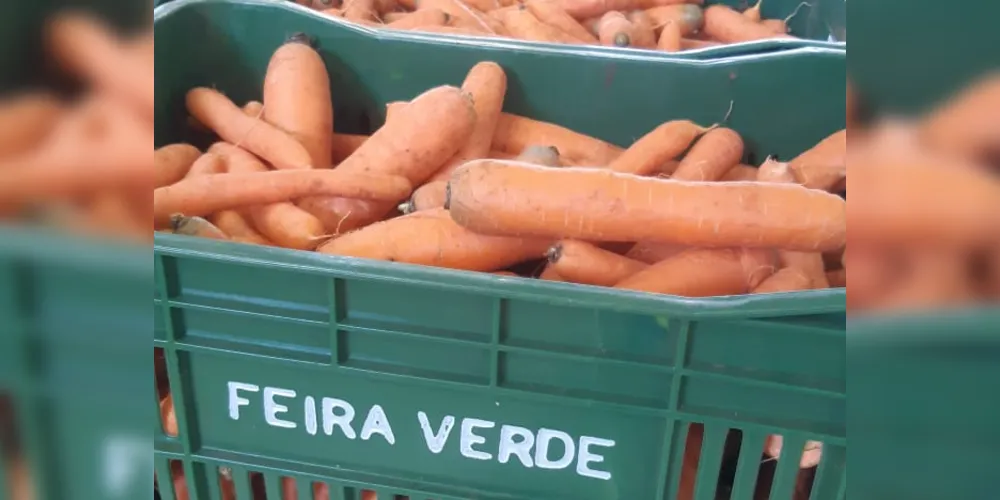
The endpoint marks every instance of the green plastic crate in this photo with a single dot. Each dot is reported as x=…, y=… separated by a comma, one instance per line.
x=593, y=364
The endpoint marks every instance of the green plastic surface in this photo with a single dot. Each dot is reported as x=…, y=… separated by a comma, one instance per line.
x=631, y=368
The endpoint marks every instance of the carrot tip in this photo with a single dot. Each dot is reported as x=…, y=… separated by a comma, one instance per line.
x=406, y=208
x=622, y=40
x=176, y=221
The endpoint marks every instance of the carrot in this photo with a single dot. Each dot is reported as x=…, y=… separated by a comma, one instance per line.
x=423, y=17
x=414, y=144
x=551, y=13
x=838, y=278
x=968, y=125
x=823, y=166
x=219, y=114
x=692, y=44
x=204, y=195
x=359, y=10
x=167, y=416
x=25, y=120
x=740, y=173
x=714, y=154
x=514, y=133
x=487, y=84
x=297, y=97
x=644, y=30
x=788, y=279
x=689, y=18
x=614, y=29
x=518, y=199
x=521, y=23
x=207, y=164
x=651, y=253
x=704, y=272
x=236, y=226
x=254, y=109
x=462, y=14
x=195, y=226
x=585, y=263
x=775, y=25
x=320, y=491
x=726, y=25
x=344, y=145
x=753, y=13
x=583, y=9
x=662, y=144
x=173, y=162
x=432, y=238
x=670, y=38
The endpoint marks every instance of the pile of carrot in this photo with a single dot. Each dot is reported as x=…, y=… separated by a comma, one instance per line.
x=81, y=162
x=666, y=25
x=925, y=218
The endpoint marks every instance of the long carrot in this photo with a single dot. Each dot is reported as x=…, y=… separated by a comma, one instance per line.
x=518, y=199
x=689, y=18
x=195, y=226
x=218, y=113
x=204, y=195
x=551, y=13
x=714, y=154
x=670, y=39
x=664, y=143
x=726, y=25
x=422, y=17
x=585, y=263
x=823, y=166
x=173, y=162
x=432, y=238
x=236, y=226
x=487, y=84
x=344, y=145
x=514, y=133
x=414, y=144
x=614, y=29
x=522, y=24
x=704, y=272
x=297, y=97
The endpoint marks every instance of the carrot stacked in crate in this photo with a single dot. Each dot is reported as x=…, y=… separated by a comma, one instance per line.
x=667, y=25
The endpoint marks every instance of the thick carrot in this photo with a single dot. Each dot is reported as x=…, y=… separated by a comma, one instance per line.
x=689, y=18
x=838, y=278
x=522, y=24
x=584, y=9
x=414, y=144
x=236, y=226
x=692, y=44
x=551, y=12
x=789, y=279
x=823, y=166
x=518, y=199
x=968, y=125
x=585, y=263
x=422, y=17
x=344, y=145
x=740, y=173
x=487, y=84
x=25, y=120
x=173, y=162
x=753, y=13
x=726, y=25
x=204, y=195
x=705, y=272
x=651, y=253
x=195, y=226
x=297, y=97
x=776, y=25
x=615, y=30
x=670, y=38
x=662, y=144
x=714, y=154
x=219, y=114
x=360, y=10
x=514, y=133
x=644, y=29
x=432, y=238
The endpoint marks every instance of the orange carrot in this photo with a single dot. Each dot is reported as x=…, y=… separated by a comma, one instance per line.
x=753, y=13
x=432, y=238
x=522, y=24
x=206, y=194
x=423, y=17
x=25, y=120
x=584, y=9
x=297, y=97
x=726, y=25
x=585, y=263
x=662, y=144
x=173, y=162
x=968, y=125
x=775, y=25
x=359, y=10
x=487, y=84
x=518, y=199
x=236, y=226
x=838, y=278
x=789, y=279
x=689, y=18
x=219, y=114
x=692, y=44
x=551, y=13
x=714, y=154
x=740, y=173
x=344, y=145
x=614, y=29
x=644, y=30
x=207, y=164
x=705, y=272
x=414, y=144
x=195, y=226
x=168, y=418
x=514, y=133
x=823, y=166
x=670, y=38
x=651, y=253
